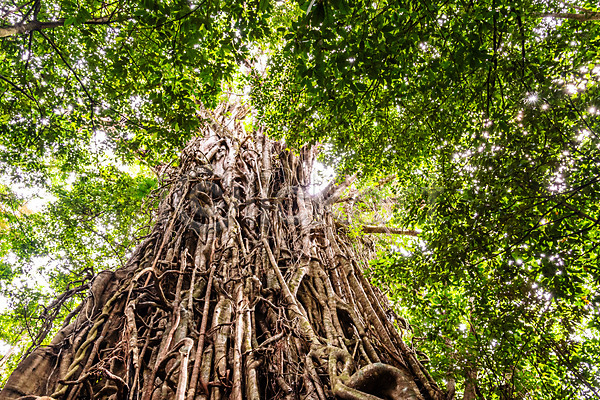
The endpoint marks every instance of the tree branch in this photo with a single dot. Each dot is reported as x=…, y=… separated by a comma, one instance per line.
x=580, y=213
x=5, y=79
x=585, y=17
x=62, y=57
x=19, y=29
x=575, y=6
x=393, y=231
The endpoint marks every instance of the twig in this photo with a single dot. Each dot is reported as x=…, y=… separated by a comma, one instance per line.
x=5, y=79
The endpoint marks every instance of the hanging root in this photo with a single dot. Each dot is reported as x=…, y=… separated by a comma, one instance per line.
x=245, y=289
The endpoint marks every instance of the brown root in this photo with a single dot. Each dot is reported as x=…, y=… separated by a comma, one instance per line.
x=245, y=289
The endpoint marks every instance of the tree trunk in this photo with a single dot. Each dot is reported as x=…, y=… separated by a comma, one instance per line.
x=245, y=289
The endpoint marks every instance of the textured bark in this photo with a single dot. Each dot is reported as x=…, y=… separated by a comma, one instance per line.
x=470, y=384
x=19, y=29
x=245, y=289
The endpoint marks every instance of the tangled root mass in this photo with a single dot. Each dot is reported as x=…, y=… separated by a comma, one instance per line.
x=245, y=289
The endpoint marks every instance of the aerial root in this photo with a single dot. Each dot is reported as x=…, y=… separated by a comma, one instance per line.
x=259, y=297
x=378, y=381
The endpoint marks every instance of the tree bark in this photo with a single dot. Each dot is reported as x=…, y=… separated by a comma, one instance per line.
x=245, y=289
x=19, y=29
x=584, y=17
x=470, y=384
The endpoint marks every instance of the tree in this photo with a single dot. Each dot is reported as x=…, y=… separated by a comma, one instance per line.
x=245, y=288
x=485, y=113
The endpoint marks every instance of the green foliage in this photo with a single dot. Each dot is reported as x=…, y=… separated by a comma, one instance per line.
x=486, y=113
x=91, y=225
x=141, y=76
x=520, y=338
x=93, y=94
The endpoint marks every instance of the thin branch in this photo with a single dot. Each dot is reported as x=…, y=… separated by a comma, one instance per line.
x=35, y=7
x=62, y=57
x=580, y=213
x=5, y=79
x=15, y=10
x=68, y=65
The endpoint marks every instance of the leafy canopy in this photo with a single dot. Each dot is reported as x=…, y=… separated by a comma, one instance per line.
x=486, y=113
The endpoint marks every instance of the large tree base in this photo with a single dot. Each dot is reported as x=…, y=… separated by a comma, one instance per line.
x=244, y=290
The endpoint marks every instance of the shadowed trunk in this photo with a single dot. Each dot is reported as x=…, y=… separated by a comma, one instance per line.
x=245, y=289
